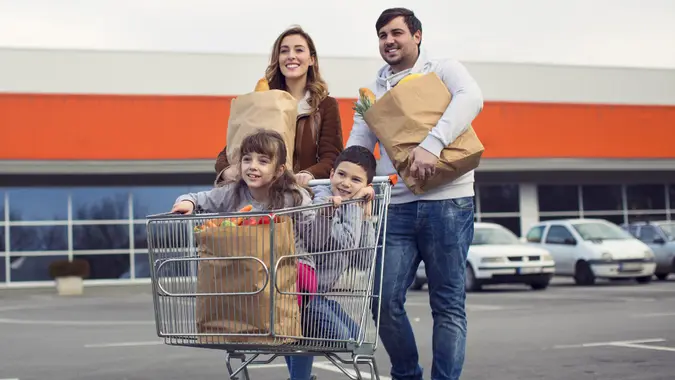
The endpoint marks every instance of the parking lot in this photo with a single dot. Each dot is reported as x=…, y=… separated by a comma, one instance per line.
x=617, y=330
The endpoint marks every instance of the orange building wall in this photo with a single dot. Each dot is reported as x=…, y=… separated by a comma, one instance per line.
x=120, y=127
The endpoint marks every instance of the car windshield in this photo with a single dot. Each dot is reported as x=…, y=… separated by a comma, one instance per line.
x=601, y=231
x=669, y=230
x=491, y=235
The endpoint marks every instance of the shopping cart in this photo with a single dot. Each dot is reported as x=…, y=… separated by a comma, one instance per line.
x=235, y=288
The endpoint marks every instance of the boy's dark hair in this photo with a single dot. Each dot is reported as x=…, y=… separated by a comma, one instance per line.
x=411, y=21
x=360, y=156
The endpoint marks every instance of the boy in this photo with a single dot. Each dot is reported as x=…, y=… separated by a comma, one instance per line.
x=342, y=237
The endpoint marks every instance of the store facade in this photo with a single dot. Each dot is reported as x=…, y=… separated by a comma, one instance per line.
x=96, y=141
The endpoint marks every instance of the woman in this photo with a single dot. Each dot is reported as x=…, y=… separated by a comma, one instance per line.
x=294, y=67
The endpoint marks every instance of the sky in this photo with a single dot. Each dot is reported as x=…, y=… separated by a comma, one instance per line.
x=624, y=33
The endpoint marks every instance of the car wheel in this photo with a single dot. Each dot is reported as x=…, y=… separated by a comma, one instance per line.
x=644, y=280
x=662, y=276
x=540, y=285
x=583, y=274
x=470, y=282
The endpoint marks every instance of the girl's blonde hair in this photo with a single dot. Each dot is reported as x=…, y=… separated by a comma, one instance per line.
x=317, y=87
x=271, y=144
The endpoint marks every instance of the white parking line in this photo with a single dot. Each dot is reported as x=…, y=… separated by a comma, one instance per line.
x=652, y=315
x=124, y=344
x=600, y=344
x=644, y=347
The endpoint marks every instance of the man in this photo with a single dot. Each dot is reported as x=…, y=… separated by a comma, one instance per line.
x=437, y=226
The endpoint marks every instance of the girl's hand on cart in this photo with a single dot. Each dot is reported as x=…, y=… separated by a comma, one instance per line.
x=184, y=207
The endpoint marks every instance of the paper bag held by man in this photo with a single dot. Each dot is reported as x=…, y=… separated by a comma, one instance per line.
x=402, y=118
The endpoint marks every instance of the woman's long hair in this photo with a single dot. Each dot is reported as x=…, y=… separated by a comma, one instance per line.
x=317, y=87
x=270, y=143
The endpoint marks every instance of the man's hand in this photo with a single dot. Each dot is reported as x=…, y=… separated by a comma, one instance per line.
x=303, y=178
x=423, y=163
x=184, y=207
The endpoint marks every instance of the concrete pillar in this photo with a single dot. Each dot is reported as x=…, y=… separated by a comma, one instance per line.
x=529, y=206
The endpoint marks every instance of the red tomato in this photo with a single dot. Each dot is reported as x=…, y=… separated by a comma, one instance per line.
x=249, y=222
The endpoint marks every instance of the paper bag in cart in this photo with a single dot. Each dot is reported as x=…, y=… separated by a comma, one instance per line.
x=246, y=314
x=274, y=110
x=403, y=117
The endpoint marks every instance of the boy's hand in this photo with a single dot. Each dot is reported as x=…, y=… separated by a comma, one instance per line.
x=336, y=200
x=183, y=207
x=368, y=193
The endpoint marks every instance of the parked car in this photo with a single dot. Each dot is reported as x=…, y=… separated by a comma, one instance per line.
x=593, y=248
x=660, y=237
x=497, y=256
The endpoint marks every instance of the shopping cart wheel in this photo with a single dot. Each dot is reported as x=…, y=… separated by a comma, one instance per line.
x=242, y=372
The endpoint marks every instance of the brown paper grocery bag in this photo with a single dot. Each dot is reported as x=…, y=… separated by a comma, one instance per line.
x=274, y=110
x=247, y=313
x=403, y=117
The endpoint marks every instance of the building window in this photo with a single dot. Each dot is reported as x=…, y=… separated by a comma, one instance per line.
x=37, y=204
x=95, y=203
x=103, y=225
x=512, y=223
x=499, y=204
x=646, y=197
x=602, y=197
x=499, y=198
x=558, y=198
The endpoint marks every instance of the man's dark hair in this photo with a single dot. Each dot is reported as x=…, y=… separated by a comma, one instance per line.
x=411, y=21
x=360, y=156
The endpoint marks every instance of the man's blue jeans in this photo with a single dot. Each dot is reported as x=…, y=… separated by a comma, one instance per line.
x=438, y=232
x=322, y=318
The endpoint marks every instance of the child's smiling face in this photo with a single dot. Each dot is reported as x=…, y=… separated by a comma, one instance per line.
x=347, y=179
x=258, y=170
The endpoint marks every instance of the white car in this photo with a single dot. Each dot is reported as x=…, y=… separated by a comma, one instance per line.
x=593, y=248
x=497, y=256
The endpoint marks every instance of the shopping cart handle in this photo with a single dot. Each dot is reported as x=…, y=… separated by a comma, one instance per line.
x=392, y=179
x=166, y=214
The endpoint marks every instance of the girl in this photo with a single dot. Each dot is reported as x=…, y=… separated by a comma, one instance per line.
x=265, y=184
x=294, y=67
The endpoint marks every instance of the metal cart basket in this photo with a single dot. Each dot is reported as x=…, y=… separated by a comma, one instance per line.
x=235, y=281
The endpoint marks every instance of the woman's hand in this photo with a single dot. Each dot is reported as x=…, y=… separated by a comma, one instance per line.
x=230, y=174
x=303, y=178
x=183, y=207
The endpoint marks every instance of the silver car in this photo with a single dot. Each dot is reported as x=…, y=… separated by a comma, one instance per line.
x=660, y=237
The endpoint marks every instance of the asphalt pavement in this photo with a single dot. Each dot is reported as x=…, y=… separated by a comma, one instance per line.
x=613, y=330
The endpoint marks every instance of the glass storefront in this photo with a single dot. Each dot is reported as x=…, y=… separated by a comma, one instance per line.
x=618, y=203
x=106, y=225
x=103, y=225
x=499, y=204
